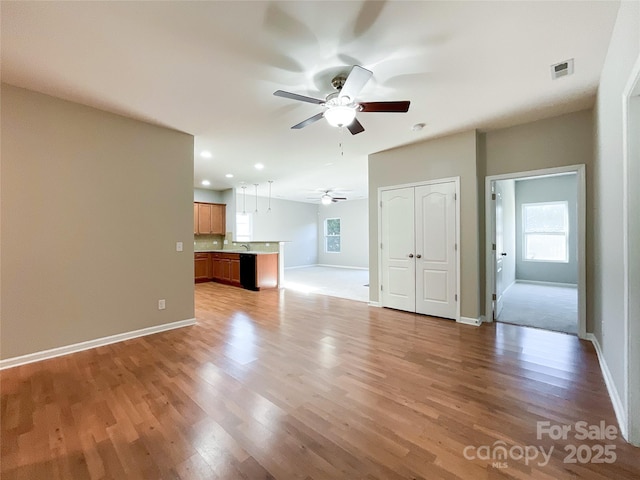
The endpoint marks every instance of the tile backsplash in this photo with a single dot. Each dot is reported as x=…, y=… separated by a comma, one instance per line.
x=208, y=242
x=216, y=242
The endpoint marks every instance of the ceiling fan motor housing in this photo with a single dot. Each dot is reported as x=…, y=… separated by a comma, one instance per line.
x=338, y=82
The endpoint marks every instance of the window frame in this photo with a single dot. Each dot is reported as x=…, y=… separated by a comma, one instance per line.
x=241, y=237
x=327, y=236
x=565, y=233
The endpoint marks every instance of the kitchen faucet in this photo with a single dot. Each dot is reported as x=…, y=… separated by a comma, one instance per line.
x=245, y=246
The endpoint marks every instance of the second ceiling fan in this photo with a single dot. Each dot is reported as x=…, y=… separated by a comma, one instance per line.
x=340, y=107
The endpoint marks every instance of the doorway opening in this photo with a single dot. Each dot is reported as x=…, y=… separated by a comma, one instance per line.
x=535, y=258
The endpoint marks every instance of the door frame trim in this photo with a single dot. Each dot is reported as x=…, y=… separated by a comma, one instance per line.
x=579, y=170
x=456, y=182
x=631, y=322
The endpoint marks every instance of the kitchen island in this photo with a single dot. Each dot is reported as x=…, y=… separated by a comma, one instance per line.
x=253, y=270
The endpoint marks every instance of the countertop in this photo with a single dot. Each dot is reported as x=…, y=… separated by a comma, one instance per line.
x=251, y=252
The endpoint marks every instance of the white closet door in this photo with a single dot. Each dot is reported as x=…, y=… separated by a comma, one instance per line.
x=435, y=224
x=398, y=267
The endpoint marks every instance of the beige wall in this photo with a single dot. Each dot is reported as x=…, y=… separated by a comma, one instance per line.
x=553, y=142
x=92, y=207
x=445, y=157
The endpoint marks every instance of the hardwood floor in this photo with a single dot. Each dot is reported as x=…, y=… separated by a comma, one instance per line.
x=283, y=385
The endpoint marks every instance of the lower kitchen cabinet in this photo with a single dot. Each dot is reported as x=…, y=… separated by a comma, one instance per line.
x=235, y=270
x=248, y=270
x=226, y=268
x=202, y=267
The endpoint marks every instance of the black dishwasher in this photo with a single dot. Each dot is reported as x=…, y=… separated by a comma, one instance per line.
x=248, y=271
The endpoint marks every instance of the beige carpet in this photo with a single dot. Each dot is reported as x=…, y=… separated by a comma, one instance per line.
x=542, y=306
x=350, y=283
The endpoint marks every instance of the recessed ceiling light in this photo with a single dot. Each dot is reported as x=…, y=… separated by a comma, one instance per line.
x=259, y=166
x=206, y=154
x=206, y=183
x=417, y=127
x=229, y=175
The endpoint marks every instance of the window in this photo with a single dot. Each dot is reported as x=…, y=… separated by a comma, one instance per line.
x=545, y=228
x=243, y=227
x=332, y=235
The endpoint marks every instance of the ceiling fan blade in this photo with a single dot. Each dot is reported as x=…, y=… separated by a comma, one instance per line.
x=357, y=78
x=308, y=121
x=335, y=199
x=355, y=127
x=295, y=96
x=399, y=107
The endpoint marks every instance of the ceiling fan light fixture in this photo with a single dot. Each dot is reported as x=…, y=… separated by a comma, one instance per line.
x=340, y=116
x=326, y=199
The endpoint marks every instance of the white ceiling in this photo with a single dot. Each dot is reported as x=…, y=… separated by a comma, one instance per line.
x=210, y=69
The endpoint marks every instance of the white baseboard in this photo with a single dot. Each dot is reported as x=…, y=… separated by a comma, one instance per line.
x=341, y=266
x=551, y=284
x=618, y=406
x=301, y=266
x=375, y=304
x=470, y=321
x=98, y=342
x=510, y=285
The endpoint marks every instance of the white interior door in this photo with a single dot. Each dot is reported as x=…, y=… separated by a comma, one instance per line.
x=499, y=287
x=397, y=259
x=435, y=223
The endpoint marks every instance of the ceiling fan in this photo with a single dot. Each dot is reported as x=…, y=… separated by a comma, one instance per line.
x=327, y=198
x=340, y=107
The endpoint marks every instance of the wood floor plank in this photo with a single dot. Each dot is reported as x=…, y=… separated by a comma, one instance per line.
x=284, y=385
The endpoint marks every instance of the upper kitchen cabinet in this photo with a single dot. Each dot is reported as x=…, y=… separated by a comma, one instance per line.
x=209, y=218
x=218, y=218
x=195, y=218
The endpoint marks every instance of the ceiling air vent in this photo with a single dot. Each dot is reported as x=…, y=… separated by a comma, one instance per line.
x=562, y=69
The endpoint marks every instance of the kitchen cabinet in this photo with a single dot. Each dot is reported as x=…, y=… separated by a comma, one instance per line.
x=195, y=218
x=235, y=270
x=218, y=219
x=249, y=270
x=226, y=267
x=209, y=218
x=202, y=267
x=204, y=218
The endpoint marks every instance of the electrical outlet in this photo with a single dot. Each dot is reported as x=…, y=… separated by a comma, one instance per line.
x=215, y=242
x=178, y=246
x=161, y=304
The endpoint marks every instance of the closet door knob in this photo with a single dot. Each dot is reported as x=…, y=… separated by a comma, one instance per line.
x=411, y=255
x=418, y=256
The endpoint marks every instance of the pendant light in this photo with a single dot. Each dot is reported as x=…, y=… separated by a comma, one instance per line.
x=256, y=185
x=244, y=199
x=269, y=209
